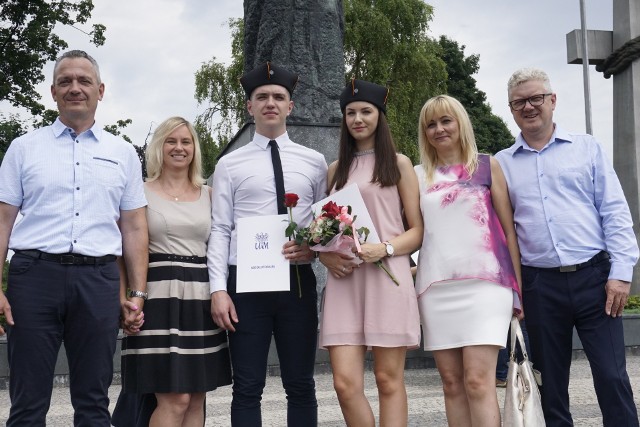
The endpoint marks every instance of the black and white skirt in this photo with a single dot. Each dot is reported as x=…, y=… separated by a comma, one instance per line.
x=179, y=348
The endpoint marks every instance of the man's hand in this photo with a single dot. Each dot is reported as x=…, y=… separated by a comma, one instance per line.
x=132, y=316
x=8, y=214
x=295, y=252
x=617, y=293
x=223, y=311
x=5, y=309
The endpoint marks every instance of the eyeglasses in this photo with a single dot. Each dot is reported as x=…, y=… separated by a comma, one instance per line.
x=535, y=100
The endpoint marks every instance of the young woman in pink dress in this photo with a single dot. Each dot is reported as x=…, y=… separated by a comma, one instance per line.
x=469, y=265
x=363, y=308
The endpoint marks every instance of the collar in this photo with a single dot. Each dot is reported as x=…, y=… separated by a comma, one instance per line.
x=263, y=142
x=94, y=132
x=559, y=135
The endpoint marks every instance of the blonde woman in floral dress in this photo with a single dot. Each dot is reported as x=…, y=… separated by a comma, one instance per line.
x=468, y=270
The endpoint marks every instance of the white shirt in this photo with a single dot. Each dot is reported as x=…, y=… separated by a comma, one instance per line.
x=244, y=186
x=70, y=190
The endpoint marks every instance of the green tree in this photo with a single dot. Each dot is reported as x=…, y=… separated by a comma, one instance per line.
x=117, y=128
x=27, y=38
x=492, y=134
x=27, y=42
x=386, y=42
x=218, y=86
x=11, y=127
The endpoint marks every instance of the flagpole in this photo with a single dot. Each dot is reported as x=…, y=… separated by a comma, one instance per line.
x=585, y=67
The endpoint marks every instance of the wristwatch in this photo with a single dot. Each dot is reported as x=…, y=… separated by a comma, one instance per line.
x=389, y=248
x=138, y=294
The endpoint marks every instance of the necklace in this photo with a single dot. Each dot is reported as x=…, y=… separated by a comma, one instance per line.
x=175, y=198
x=364, y=152
x=444, y=164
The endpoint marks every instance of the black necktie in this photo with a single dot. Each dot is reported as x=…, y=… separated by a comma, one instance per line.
x=278, y=176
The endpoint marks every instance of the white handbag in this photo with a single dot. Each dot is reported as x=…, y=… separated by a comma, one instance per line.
x=522, y=406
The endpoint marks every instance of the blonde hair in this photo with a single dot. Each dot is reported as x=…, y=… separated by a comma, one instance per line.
x=446, y=105
x=154, y=154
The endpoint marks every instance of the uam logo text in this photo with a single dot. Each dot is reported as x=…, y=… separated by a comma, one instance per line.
x=262, y=241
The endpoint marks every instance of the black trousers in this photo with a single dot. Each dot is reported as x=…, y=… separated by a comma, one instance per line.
x=50, y=302
x=293, y=323
x=554, y=303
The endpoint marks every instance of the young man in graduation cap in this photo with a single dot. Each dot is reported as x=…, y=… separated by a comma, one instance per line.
x=251, y=181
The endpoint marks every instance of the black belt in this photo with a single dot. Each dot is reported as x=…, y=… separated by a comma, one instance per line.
x=601, y=256
x=177, y=258
x=67, y=259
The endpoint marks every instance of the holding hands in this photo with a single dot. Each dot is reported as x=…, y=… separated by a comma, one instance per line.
x=132, y=316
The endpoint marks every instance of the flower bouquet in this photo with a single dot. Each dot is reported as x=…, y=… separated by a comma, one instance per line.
x=333, y=231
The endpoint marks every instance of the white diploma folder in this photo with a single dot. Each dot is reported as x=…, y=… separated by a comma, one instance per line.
x=350, y=196
x=261, y=265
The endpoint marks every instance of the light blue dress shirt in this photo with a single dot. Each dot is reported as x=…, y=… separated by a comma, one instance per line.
x=244, y=186
x=70, y=189
x=568, y=204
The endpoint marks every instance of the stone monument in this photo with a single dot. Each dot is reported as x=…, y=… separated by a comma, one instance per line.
x=305, y=36
x=616, y=53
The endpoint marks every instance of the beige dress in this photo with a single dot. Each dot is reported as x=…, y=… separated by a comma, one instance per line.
x=179, y=348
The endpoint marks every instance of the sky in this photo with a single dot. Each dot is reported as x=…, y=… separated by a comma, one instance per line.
x=154, y=47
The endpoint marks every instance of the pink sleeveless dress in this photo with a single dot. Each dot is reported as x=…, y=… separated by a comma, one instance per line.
x=366, y=307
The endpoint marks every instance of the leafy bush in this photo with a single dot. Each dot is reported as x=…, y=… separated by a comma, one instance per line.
x=633, y=304
x=5, y=273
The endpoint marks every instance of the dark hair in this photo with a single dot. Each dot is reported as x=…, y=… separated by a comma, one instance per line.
x=385, y=171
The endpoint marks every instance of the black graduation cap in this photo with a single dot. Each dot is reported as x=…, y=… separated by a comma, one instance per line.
x=360, y=90
x=268, y=74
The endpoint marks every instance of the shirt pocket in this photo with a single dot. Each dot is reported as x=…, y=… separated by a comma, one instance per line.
x=576, y=183
x=105, y=172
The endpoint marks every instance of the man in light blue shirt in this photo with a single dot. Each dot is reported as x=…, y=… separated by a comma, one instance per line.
x=578, y=251
x=79, y=190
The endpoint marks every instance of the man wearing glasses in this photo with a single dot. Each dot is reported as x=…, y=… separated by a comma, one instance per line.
x=578, y=251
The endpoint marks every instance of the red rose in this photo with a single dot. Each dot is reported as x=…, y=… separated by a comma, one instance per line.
x=290, y=200
x=331, y=209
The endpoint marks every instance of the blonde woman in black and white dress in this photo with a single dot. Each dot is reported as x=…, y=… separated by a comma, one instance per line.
x=179, y=353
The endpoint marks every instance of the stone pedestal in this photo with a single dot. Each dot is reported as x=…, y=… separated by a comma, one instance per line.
x=626, y=116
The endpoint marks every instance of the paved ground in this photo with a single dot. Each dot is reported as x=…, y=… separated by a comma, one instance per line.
x=426, y=405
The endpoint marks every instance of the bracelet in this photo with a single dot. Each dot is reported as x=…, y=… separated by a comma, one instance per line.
x=138, y=294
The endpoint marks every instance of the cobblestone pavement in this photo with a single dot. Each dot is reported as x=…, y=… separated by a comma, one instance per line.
x=426, y=404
